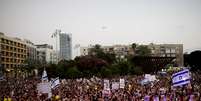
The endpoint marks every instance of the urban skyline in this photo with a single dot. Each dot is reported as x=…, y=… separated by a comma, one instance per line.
x=106, y=22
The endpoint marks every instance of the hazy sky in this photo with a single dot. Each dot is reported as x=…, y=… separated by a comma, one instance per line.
x=104, y=21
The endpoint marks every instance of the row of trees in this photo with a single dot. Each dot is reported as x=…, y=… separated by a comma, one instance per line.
x=101, y=64
x=97, y=63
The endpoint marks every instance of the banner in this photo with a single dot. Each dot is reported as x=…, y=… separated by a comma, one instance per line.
x=150, y=78
x=181, y=78
x=45, y=87
x=122, y=83
x=106, y=84
x=115, y=85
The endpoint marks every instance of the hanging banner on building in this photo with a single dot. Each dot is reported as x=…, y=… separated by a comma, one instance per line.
x=122, y=83
x=181, y=78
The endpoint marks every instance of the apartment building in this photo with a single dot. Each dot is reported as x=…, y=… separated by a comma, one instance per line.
x=13, y=52
x=168, y=50
x=118, y=50
x=157, y=50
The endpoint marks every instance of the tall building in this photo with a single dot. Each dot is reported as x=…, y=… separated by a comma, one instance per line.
x=45, y=53
x=13, y=52
x=65, y=46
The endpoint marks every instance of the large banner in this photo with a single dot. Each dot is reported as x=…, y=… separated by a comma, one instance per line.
x=45, y=87
x=181, y=78
x=122, y=83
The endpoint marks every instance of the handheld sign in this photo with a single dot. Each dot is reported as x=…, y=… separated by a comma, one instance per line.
x=122, y=83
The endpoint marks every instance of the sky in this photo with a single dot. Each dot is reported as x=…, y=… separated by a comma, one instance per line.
x=105, y=22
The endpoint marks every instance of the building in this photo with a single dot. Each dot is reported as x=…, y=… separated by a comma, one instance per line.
x=65, y=46
x=118, y=50
x=157, y=50
x=31, y=50
x=45, y=53
x=13, y=52
x=168, y=50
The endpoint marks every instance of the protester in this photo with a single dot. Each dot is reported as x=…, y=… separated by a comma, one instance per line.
x=92, y=90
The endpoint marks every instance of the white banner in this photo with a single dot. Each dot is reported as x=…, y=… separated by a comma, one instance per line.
x=122, y=83
x=45, y=87
x=115, y=85
x=106, y=84
x=146, y=76
x=181, y=78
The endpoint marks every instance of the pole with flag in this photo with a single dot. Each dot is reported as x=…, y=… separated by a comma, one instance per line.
x=44, y=76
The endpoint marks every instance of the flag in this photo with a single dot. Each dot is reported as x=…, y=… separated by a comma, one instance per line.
x=2, y=78
x=44, y=76
x=55, y=83
x=181, y=78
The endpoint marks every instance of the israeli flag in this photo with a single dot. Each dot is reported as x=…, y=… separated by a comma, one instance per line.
x=181, y=78
x=44, y=76
x=55, y=82
x=2, y=78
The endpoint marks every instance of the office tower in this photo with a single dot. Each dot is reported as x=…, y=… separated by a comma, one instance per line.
x=65, y=46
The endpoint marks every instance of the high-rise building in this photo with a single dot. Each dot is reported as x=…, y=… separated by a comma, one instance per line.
x=13, y=52
x=65, y=46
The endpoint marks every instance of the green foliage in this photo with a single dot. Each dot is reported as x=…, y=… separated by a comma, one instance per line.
x=143, y=50
x=98, y=63
x=193, y=60
x=72, y=73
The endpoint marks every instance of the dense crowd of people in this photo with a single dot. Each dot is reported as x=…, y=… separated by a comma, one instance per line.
x=92, y=89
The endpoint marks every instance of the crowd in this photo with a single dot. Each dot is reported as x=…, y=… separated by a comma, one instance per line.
x=91, y=89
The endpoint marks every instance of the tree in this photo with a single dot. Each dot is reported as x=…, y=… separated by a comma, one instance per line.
x=73, y=73
x=194, y=60
x=96, y=50
x=134, y=45
x=143, y=50
x=106, y=72
x=123, y=67
x=186, y=59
